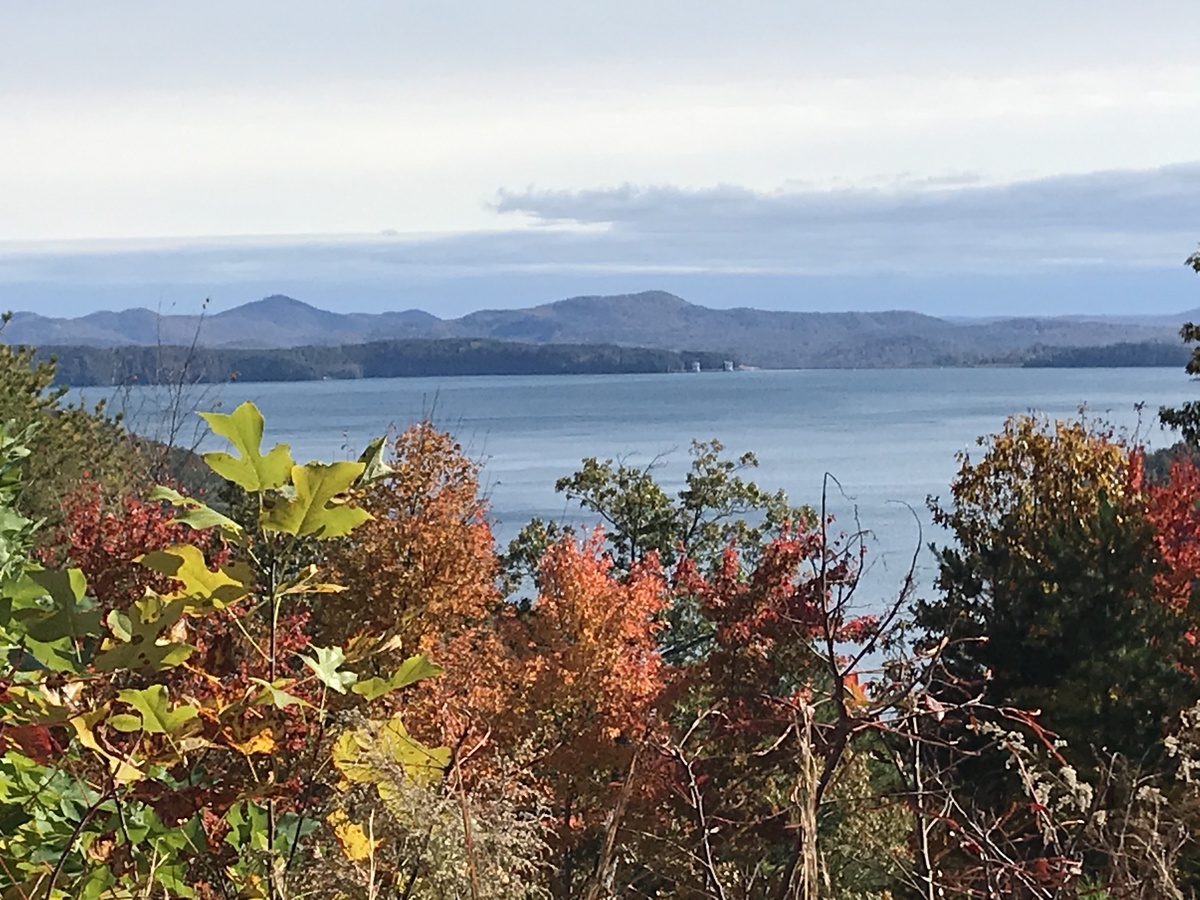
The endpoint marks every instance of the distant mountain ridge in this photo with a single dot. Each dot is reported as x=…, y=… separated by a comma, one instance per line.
x=652, y=319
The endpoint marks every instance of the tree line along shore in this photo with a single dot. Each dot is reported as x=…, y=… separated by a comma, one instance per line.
x=86, y=366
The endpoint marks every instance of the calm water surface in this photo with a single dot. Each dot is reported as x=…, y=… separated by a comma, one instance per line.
x=888, y=436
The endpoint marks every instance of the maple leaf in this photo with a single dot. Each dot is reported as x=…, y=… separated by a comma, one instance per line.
x=326, y=665
x=138, y=645
x=318, y=507
x=202, y=589
x=71, y=616
x=154, y=712
x=252, y=471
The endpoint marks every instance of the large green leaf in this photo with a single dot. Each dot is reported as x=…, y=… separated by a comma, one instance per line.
x=154, y=712
x=318, y=507
x=411, y=671
x=52, y=616
x=202, y=589
x=252, y=471
x=71, y=616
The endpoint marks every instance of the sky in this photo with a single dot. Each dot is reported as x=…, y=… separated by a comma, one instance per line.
x=956, y=158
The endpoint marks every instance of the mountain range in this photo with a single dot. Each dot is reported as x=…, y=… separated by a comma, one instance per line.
x=652, y=319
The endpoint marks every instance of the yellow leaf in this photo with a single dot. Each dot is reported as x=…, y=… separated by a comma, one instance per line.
x=366, y=755
x=252, y=470
x=306, y=583
x=260, y=742
x=250, y=886
x=85, y=724
x=352, y=837
x=318, y=506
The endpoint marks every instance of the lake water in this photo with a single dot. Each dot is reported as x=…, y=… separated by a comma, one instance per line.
x=888, y=436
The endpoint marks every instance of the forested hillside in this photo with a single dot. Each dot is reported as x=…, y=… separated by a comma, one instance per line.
x=83, y=366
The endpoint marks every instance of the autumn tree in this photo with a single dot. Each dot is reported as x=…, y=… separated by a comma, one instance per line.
x=715, y=507
x=562, y=682
x=1049, y=594
x=423, y=569
x=766, y=727
x=569, y=682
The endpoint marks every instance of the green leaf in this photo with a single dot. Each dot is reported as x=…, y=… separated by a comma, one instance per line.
x=277, y=696
x=318, y=507
x=155, y=715
x=411, y=671
x=51, y=617
x=57, y=656
x=203, y=590
x=196, y=514
x=71, y=617
x=138, y=643
x=12, y=817
x=252, y=471
x=326, y=664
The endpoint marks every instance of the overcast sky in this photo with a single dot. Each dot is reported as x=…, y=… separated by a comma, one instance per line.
x=956, y=157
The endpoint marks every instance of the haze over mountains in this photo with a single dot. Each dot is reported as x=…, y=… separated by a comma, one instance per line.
x=652, y=319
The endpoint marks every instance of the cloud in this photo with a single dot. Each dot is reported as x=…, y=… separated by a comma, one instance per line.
x=1141, y=218
x=1118, y=220
x=1069, y=208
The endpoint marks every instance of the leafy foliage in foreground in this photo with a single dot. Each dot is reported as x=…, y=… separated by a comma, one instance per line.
x=170, y=743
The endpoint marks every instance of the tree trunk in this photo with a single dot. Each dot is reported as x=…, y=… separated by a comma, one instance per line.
x=805, y=880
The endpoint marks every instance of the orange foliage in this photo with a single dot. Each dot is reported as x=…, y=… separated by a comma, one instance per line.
x=575, y=675
x=577, y=672
x=424, y=568
x=590, y=651
x=567, y=683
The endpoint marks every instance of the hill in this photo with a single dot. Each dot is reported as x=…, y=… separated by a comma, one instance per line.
x=653, y=319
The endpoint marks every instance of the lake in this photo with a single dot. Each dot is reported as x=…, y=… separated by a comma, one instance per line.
x=888, y=436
